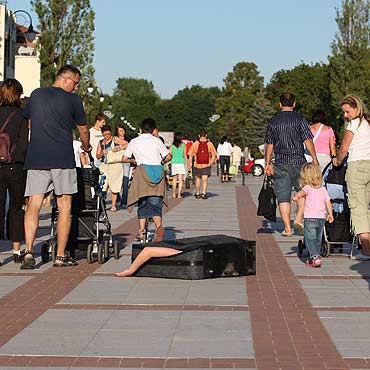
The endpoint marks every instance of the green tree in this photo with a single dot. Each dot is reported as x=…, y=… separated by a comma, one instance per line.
x=260, y=114
x=350, y=58
x=134, y=99
x=67, y=28
x=188, y=111
x=238, y=96
x=310, y=85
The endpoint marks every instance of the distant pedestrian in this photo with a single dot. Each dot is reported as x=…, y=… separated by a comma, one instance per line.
x=323, y=138
x=12, y=175
x=188, y=143
x=286, y=133
x=236, y=156
x=317, y=210
x=178, y=164
x=53, y=113
x=224, y=151
x=205, y=156
x=112, y=171
x=96, y=135
x=123, y=142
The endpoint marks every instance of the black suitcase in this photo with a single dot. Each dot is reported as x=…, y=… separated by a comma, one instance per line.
x=203, y=257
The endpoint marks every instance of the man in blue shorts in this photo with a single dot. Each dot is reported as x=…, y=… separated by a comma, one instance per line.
x=53, y=113
x=286, y=133
x=148, y=186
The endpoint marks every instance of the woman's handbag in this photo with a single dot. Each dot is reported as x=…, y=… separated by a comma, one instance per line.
x=115, y=156
x=267, y=200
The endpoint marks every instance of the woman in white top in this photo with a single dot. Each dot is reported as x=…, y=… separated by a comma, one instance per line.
x=224, y=150
x=356, y=142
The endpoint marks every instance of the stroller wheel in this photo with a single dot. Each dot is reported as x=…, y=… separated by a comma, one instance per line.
x=116, y=250
x=100, y=254
x=89, y=254
x=106, y=250
x=45, y=253
x=325, y=249
x=300, y=247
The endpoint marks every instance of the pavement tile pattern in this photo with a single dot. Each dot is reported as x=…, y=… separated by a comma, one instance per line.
x=286, y=317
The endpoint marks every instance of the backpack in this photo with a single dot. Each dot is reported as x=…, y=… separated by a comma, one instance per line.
x=6, y=149
x=202, y=153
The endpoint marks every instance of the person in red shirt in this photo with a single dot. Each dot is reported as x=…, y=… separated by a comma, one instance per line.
x=203, y=163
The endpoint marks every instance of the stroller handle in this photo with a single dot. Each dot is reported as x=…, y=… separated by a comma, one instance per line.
x=91, y=158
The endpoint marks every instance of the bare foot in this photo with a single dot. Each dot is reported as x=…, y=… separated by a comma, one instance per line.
x=174, y=196
x=180, y=196
x=123, y=273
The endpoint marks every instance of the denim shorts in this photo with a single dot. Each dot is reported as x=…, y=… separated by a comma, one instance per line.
x=286, y=177
x=149, y=207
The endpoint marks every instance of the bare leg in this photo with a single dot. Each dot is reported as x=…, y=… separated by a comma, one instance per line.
x=300, y=209
x=64, y=203
x=197, y=185
x=145, y=255
x=174, y=185
x=142, y=223
x=157, y=221
x=31, y=219
x=365, y=243
x=204, y=184
x=181, y=179
x=285, y=215
x=17, y=246
x=114, y=199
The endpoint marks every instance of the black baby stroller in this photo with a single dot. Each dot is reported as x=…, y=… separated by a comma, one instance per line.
x=90, y=223
x=338, y=233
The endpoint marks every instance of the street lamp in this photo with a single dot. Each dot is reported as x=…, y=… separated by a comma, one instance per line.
x=90, y=90
x=30, y=34
x=101, y=99
x=213, y=119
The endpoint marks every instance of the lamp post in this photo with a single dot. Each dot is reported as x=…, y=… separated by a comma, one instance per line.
x=101, y=100
x=90, y=90
x=30, y=34
x=213, y=119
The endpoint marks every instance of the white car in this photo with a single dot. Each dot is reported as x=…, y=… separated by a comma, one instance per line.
x=258, y=168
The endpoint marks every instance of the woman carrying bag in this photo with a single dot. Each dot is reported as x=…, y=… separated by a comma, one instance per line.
x=110, y=153
x=12, y=175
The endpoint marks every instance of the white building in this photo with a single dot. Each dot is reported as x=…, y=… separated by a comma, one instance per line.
x=27, y=63
x=7, y=43
x=18, y=58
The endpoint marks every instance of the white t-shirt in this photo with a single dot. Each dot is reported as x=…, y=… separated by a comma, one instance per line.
x=224, y=149
x=147, y=149
x=95, y=137
x=77, y=151
x=359, y=148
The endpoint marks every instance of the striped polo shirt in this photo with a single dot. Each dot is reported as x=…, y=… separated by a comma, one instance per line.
x=287, y=130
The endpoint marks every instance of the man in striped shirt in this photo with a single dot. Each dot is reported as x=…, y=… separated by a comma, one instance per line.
x=286, y=133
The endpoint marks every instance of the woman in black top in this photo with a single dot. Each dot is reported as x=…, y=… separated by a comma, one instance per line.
x=12, y=174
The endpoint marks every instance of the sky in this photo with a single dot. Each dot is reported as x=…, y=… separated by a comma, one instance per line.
x=177, y=43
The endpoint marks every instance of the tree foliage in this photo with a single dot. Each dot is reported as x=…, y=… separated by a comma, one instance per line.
x=350, y=60
x=134, y=99
x=260, y=114
x=239, y=94
x=67, y=28
x=309, y=83
x=188, y=111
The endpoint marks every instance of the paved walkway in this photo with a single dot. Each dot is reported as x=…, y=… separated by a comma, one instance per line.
x=287, y=316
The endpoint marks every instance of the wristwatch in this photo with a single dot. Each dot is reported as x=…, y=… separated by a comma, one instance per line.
x=334, y=156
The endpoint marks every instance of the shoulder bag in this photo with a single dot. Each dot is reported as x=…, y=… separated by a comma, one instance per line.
x=306, y=152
